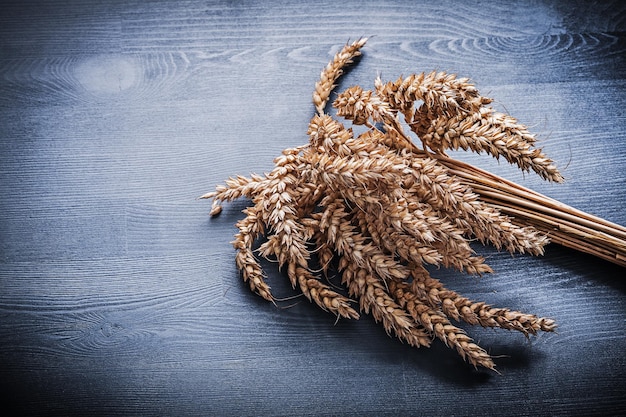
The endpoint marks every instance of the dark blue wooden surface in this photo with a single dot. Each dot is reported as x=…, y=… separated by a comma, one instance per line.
x=118, y=294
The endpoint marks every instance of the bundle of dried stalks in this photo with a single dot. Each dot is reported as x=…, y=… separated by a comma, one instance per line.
x=380, y=208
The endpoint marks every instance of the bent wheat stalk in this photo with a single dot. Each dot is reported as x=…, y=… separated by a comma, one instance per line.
x=381, y=208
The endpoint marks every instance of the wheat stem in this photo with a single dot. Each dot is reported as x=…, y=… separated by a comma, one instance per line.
x=564, y=224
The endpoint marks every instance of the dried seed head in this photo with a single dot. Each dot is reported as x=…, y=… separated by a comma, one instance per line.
x=379, y=208
x=333, y=71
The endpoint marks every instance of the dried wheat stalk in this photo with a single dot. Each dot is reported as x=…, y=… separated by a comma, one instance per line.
x=383, y=208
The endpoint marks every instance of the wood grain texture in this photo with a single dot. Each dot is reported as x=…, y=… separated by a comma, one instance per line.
x=118, y=295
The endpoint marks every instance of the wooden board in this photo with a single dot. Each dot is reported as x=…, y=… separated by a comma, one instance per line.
x=118, y=294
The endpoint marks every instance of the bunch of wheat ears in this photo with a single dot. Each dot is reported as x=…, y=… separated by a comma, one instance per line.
x=379, y=209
